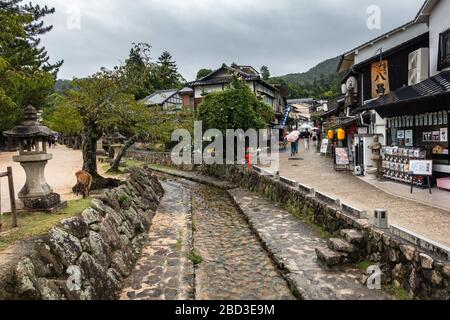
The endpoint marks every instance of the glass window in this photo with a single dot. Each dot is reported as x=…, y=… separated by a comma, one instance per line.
x=444, y=50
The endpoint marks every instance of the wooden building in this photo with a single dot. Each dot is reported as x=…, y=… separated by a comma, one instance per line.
x=165, y=100
x=221, y=78
x=397, y=87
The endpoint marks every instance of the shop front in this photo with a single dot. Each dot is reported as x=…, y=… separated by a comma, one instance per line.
x=417, y=126
x=422, y=137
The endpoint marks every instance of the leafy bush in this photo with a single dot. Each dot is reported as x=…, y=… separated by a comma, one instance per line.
x=234, y=108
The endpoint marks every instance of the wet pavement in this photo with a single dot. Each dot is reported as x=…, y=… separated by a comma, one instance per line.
x=317, y=172
x=293, y=245
x=164, y=271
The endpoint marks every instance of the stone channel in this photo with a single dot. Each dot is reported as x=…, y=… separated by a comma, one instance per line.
x=197, y=223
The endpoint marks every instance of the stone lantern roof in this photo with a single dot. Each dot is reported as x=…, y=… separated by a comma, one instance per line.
x=30, y=127
x=117, y=137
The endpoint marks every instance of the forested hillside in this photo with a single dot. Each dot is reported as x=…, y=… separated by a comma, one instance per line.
x=320, y=82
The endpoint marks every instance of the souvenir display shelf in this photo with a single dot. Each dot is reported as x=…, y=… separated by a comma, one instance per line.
x=396, y=164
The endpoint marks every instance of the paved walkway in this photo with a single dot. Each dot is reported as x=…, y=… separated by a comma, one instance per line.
x=293, y=245
x=59, y=173
x=164, y=272
x=317, y=172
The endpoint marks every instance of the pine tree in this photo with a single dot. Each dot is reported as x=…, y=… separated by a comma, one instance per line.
x=139, y=71
x=26, y=76
x=167, y=75
x=25, y=53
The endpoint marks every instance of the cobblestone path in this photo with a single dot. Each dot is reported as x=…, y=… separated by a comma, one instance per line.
x=235, y=266
x=293, y=245
x=164, y=272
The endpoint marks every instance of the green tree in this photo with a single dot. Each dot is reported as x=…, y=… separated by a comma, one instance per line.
x=139, y=71
x=203, y=73
x=265, y=73
x=25, y=51
x=167, y=75
x=26, y=76
x=65, y=118
x=234, y=108
x=98, y=99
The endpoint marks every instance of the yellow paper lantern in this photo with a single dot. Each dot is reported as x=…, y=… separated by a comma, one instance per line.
x=330, y=134
x=341, y=134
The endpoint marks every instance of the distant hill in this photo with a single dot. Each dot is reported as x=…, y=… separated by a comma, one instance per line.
x=320, y=82
x=326, y=67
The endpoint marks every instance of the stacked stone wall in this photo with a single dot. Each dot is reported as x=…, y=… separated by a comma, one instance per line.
x=88, y=256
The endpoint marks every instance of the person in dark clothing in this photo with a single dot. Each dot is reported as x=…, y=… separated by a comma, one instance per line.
x=307, y=138
x=294, y=147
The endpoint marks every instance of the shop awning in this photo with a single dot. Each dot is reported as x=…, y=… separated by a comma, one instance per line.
x=430, y=95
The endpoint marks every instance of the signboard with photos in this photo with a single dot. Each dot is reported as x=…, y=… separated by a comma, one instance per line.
x=324, y=146
x=421, y=167
x=342, y=156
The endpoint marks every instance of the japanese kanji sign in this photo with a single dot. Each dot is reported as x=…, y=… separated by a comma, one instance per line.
x=380, y=78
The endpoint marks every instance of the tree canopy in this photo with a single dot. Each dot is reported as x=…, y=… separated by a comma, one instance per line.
x=234, y=108
x=265, y=73
x=203, y=73
x=65, y=117
x=167, y=75
x=26, y=76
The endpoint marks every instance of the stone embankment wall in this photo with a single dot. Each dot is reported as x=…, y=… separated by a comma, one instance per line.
x=402, y=263
x=87, y=257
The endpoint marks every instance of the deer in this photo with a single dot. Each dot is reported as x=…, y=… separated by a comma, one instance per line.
x=84, y=179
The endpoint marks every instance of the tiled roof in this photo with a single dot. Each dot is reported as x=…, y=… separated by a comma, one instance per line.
x=207, y=81
x=159, y=97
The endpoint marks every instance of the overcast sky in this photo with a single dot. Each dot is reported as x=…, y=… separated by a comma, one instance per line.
x=288, y=36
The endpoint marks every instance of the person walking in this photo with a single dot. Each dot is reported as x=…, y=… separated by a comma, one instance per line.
x=294, y=147
x=307, y=138
x=314, y=138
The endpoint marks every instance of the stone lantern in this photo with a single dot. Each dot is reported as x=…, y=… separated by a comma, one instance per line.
x=117, y=142
x=32, y=138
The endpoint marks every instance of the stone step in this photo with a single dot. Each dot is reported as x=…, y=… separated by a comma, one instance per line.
x=330, y=258
x=353, y=236
x=340, y=245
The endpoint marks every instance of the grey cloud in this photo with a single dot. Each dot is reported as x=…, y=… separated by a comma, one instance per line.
x=287, y=35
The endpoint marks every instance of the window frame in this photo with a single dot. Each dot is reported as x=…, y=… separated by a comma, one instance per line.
x=443, y=56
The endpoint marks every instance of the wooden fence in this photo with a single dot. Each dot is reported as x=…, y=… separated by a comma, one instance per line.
x=8, y=174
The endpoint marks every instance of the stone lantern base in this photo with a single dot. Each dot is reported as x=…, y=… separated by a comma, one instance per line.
x=37, y=195
x=50, y=203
